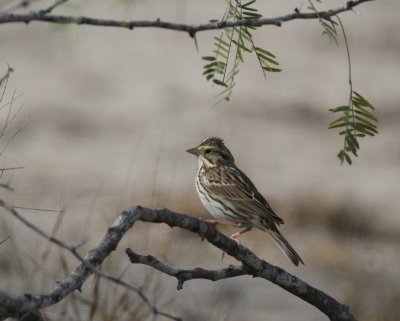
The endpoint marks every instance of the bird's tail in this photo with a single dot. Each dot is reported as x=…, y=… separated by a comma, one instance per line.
x=286, y=247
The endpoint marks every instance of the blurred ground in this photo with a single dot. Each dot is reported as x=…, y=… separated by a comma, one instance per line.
x=109, y=114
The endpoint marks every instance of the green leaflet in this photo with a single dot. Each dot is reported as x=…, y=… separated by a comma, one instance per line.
x=328, y=25
x=356, y=119
x=354, y=123
x=344, y=156
x=219, y=82
x=230, y=49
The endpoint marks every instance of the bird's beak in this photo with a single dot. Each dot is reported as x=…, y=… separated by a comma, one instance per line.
x=194, y=151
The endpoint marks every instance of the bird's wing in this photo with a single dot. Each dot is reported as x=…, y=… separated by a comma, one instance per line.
x=232, y=184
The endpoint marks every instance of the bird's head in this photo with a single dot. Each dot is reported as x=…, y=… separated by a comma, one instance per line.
x=213, y=152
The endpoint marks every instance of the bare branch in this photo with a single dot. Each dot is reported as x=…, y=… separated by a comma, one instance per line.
x=33, y=208
x=11, y=101
x=190, y=29
x=3, y=240
x=8, y=114
x=253, y=265
x=89, y=265
x=10, y=140
x=257, y=267
x=185, y=275
x=10, y=168
x=5, y=78
x=53, y=6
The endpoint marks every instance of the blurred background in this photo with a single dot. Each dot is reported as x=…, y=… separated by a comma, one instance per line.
x=107, y=115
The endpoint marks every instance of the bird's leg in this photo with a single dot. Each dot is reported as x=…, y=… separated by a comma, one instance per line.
x=237, y=234
x=229, y=223
x=218, y=222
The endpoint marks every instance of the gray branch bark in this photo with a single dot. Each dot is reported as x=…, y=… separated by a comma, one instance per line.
x=185, y=275
x=256, y=267
x=43, y=16
x=251, y=265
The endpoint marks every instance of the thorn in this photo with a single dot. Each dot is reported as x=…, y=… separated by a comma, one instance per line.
x=195, y=43
x=180, y=284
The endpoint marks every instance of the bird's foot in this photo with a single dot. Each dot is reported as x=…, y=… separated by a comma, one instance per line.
x=237, y=234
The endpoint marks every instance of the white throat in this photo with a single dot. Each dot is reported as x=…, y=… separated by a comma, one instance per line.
x=204, y=161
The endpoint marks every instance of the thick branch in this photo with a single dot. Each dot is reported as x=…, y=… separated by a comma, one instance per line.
x=191, y=29
x=257, y=267
x=252, y=265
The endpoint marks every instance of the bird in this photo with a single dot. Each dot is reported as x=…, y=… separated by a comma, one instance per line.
x=231, y=197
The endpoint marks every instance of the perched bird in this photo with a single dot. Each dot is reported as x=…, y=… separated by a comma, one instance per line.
x=231, y=198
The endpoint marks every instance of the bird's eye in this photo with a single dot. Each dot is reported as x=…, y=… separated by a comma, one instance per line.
x=207, y=151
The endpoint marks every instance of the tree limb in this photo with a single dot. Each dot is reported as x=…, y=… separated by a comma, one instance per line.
x=30, y=304
x=43, y=16
x=251, y=264
x=185, y=275
x=256, y=266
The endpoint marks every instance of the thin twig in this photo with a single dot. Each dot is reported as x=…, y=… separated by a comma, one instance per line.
x=10, y=140
x=351, y=107
x=53, y=6
x=8, y=114
x=5, y=78
x=11, y=101
x=3, y=240
x=184, y=275
x=189, y=28
x=33, y=208
x=10, y=168
x=56, y=227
